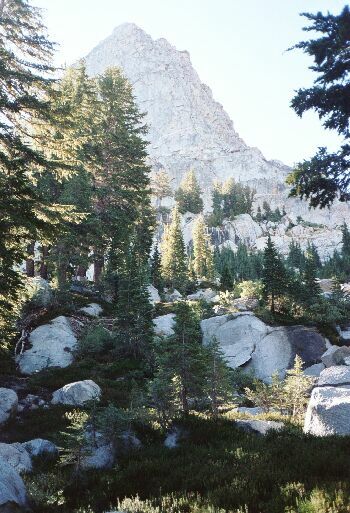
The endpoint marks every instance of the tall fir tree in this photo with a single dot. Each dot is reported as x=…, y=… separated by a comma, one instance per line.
x=173, y=254
x=203, y=264
x=161, y=187
x=218, y=383
x=25, y=58
x=156, y=270
x=188, y=196
x=311, y=284
x=274, y=276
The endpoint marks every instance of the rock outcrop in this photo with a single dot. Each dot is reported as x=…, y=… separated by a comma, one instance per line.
x=17, y=456
x=164, y=325
x=189, y=129
x=93, y=310
x=13, y=495
x=260, y=427
x=77, y=393
x=51, y=346
x=328, y=411
x=8, y=404
x=249, y=342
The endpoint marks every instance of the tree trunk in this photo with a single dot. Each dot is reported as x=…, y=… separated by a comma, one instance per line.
x=80, y=272
x=98, y=267
x=43, y=264
x=30, y=267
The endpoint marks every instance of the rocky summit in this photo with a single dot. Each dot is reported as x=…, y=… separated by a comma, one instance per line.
x=189, y=129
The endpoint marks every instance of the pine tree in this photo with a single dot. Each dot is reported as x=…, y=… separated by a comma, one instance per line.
x=156, y=271
x=345, y=241
x=218, y=383
x=274, y=278
x=76, y=447
x=258, y=216
x=173, y=254
x=25, y=57
x=161, y=186
x=311, y=284
x=296, y=388
x=216, y=217
x=226, y=279
x=188, y=195
x=266, y=211
x=203, y=264
x=182, y=360
x=296, y=257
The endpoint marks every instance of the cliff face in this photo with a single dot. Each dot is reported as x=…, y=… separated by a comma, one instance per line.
x=189, y=129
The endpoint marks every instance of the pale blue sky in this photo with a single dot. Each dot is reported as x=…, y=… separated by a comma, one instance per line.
x=237, y=47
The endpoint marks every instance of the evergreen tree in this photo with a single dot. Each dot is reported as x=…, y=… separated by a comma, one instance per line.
x=226, y=279
x=266, y=211
x=274, y=278
x=218, y=383
x=161, y=186
x=325, y=176
x=156, y=270
x=25, y=57
x=184, y=358
x=203, y=264
x=173, y=254
x=345, y=241
x=296, y=389
x=188, y=195
x=217, y=216
x=76, y=447
x=296, y=257
x=311, y=284
x=259, y=216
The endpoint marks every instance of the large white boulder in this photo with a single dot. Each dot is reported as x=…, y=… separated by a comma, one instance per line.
x=100, y=457
x=77, y=393
x=153, y=294
x=93, y=310
x=328, y=411
x=237, y=335
x=333, y=376
x=52, y=345
x=260, y=427
x=164, y=325
x=335, y=355
x=208, y=295
x=8, y=404
x=16, y=456
x=262, y=349
x=13, y=495
x=38, y=290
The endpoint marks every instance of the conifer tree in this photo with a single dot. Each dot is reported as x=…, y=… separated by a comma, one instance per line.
x=216, y=217
x=259, y=216
x=173, y=254
x=156, y=271
x=161, y=186
x=345, y=241
x=25, y=58
x=182, y=360
x=188, y=195
x=296, y=389
x=226, y=279
x=311, y=284
x=274, y=277
x=218, y=383
x=203, y=264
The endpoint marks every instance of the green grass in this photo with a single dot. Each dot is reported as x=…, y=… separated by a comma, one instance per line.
x=227, y=468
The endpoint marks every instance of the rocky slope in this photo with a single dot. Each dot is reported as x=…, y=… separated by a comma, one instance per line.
x=189, y=129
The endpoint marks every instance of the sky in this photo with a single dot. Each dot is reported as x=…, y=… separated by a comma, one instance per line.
x=238, y=48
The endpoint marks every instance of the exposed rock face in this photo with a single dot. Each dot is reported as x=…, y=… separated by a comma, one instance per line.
x=208, y=295
x=189, y=129
x=13, y=495
x=16, y=456
x=336, y=355
x=328, y=411
x=93, y=310
x=153, y=293
x=51, y=346
x=77, y=394
x=314, y=370
x=262, y=349
x=260, y=427
x=8, y=404
x=164, y=325
x=40, y=447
